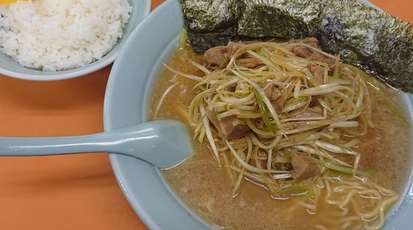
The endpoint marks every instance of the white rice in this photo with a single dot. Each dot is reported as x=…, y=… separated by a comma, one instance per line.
x=61, y=34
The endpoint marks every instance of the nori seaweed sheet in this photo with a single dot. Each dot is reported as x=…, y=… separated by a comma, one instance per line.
x=269, y=18
x=363, y=36
x=211, y=22
x=371, y=39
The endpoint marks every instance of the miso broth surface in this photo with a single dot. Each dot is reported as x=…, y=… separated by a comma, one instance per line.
x=206, y=189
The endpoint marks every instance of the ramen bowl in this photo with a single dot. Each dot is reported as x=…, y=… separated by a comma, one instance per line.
x=131, y=82
x=10, y=67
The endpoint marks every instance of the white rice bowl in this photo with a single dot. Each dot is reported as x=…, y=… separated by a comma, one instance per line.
x=64, y=34
x=61, y=39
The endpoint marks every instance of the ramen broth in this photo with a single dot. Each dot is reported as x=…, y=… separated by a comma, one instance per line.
x=206, y=189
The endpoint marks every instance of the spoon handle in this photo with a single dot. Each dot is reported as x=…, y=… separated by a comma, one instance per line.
x=149, y=141
x=34, y=146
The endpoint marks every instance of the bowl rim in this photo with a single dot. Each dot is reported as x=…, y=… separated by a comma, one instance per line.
x=136, y=18
x=126, y=169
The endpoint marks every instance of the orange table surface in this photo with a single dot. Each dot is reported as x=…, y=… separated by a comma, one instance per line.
x=70, y=191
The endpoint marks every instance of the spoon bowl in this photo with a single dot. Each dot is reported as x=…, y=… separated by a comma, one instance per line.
x=162, y=143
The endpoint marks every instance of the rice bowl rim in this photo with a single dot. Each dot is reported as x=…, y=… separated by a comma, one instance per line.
x=11, y=68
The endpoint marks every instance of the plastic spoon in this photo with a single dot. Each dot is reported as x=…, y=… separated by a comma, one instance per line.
x=162, y=143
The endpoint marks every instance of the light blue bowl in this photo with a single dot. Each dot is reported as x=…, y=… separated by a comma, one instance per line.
x=126, y=103
x=11, y=68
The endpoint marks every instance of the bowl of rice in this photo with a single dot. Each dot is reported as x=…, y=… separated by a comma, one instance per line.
x=47, y=40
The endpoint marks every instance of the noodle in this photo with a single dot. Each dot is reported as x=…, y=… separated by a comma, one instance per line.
x=289, y=110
